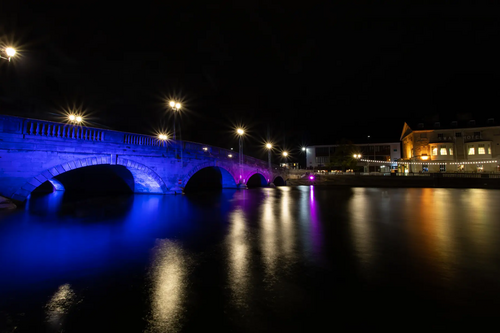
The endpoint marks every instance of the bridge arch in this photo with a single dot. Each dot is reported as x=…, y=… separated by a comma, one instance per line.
x=279, y=181
x=227, y=177
x=256, y=179
x=145, y=179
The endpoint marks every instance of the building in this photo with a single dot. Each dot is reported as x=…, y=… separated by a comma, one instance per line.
x=386, y=155
x=454, y=146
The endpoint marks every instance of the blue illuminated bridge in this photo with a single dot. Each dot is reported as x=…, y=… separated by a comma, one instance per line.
x=36, y=154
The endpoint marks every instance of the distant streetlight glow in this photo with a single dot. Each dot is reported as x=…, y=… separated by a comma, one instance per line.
x=303, y=148
x=229, y=155
x=357, y=155
x=178, y=106
x=162, y=137
x=172, y=104
x=285, y=153
x=240, y=131
x=78, y=119
x=269, y=146
x=72, y=117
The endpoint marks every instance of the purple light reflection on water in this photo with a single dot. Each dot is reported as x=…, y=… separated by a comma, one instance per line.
x=316, y=228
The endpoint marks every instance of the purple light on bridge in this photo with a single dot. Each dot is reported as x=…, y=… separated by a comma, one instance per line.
x=311, y=177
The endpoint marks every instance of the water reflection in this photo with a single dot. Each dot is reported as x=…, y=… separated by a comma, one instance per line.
x=169, y=281
x=58, y=307
x=269, y=239
x=238, y=248
x=287, y=224
x=362, y=221
x=271, y=258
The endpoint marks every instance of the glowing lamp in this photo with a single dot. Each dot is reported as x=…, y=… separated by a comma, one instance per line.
x=229, y=155
x=424, y=157
x=303, y=148
x=240, y=131
x=10, y=52
x=269, y=146
x=72, y=117
x=285, y=154
x=311, y=177
x=172, y=104
x=178, y=105
x=78, y=119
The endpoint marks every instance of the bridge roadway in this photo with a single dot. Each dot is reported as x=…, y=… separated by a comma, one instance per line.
x=33, y=152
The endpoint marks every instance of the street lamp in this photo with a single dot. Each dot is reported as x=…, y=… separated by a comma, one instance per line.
x=269, y=147
x=75, y=119
x=10, y=52
x=162, y=138
x=305, y=152
x=240, y=132
x=175, y=107
x=285, y=154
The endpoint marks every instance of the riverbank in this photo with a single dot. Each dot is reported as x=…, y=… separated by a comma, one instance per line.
x=399, y=181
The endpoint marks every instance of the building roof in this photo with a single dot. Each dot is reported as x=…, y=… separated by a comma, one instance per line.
x=450, y=123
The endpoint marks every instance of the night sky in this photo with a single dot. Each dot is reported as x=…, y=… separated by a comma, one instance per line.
x=312, y=72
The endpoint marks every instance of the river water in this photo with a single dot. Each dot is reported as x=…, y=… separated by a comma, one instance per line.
x=267, y=259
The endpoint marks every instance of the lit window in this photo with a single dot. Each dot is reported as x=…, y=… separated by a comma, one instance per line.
x=451, y=151
x=480, y=150
x=480, y=168
x=434, y=151
x=472, y=151
x=443, y=151
x=442, y=167
x=489, y=150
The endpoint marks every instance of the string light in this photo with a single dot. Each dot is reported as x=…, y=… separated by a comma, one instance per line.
x=431, y=163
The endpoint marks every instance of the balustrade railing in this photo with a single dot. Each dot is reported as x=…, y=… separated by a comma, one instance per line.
x=33, y=128
x=49, y=129
x=142, y=140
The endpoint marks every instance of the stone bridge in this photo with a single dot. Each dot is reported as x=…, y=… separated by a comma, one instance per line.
x=35, y=152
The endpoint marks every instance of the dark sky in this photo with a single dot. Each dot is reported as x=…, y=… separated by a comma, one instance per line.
x=314, y=72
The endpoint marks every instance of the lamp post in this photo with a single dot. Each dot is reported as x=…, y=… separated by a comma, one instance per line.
x=269, y=147
x=357, y=157
x=176, y=107
x=305, y=152
x=240, y=133
x=10, y=52
x=285, y=154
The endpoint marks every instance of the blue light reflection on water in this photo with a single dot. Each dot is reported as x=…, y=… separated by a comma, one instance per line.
x=169, y=262
x=53, y=237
